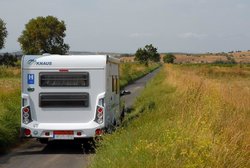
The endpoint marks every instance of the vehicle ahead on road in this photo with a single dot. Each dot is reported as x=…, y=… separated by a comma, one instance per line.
x=67, y=97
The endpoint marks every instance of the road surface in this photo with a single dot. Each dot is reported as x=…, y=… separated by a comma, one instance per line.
x=32, y=154
x=136, y=88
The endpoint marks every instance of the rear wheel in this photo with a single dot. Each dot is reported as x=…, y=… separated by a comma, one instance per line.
x=122, y=114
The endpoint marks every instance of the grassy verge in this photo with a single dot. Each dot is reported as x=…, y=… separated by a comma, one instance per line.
x=129, y=72
x=9, y=106
x=188, y=117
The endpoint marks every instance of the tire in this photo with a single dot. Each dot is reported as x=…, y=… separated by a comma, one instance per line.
x=122, y=114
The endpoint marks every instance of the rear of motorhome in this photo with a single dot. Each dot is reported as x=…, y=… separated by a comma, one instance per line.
x=67, y=97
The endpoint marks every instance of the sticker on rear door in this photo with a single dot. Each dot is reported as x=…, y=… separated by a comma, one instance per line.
x=31, y=79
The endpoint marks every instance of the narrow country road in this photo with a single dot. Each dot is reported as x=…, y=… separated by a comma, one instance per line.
x=32, y=154
x=136, y=88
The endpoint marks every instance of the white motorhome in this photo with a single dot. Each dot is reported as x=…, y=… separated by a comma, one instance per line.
x=69, y=96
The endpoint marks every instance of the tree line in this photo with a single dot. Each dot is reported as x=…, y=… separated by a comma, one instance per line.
x=8, y=60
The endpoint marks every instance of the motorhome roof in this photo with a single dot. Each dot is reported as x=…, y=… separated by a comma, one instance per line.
x=66, y=61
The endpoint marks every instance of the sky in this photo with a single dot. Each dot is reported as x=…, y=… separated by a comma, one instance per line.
x=123, y=26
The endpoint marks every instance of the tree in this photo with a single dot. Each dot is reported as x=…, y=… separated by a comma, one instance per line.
x=169, y=58
x=152, y=53
x=3, y=33
x=141, y=55
x=148, y=53
x=44, y=35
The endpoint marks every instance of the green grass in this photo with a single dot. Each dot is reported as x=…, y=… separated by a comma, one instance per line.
x=9, y=106
x=9, y=118
x=182, y=119
x=129, y=72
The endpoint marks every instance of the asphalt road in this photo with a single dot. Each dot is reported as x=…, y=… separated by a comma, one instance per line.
x=32, y=154
x=136, y=88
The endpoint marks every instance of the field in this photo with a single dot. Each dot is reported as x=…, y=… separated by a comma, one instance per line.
x=237, y=57
x=231, y=57
x=188, y=116
x=10, y=98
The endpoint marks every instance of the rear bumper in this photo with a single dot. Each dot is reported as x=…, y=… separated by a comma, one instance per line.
x=46, y=130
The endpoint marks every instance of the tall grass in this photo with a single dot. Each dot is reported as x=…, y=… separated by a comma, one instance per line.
x=9, y=118
x=187, y=118
x=129, y=72
x=9, y=106
x=10, y=72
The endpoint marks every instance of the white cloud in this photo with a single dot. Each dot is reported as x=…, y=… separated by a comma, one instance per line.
x=192, y=35
x=140, y=35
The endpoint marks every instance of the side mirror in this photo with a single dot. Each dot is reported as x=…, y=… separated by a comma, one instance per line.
x=124, y=92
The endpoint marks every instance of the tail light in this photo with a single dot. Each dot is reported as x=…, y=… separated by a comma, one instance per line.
x=47, y=133
x=99, y=115
x=98, y=132
x=26, y=115
x=27, y=132
x=100, y=111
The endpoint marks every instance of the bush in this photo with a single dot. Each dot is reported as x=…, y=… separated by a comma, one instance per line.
x=169, y=58
x=8, y=60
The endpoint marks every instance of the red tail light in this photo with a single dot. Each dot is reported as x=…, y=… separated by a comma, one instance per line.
x=27, y=132
x=100, y=110
x=98, y=132
x=26, y=115
x=26, y=110
x=99, y=115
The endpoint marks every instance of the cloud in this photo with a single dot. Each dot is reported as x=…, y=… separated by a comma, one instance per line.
x=140, y=35
x=190, y=35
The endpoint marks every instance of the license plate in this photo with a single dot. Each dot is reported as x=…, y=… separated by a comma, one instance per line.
x=69, y=135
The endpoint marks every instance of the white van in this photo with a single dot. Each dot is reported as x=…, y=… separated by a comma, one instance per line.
x=66, y=97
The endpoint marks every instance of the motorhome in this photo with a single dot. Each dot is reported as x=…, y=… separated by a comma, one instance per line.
x=68, y=97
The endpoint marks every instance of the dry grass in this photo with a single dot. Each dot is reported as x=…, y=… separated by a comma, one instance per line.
x=9, y=85
x=225, y=111
x=199, y=59
x=189, y=116
x=239, y=57
x=127, y=59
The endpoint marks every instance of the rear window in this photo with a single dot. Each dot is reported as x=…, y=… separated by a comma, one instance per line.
x=61, y=79
x=63, y=99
